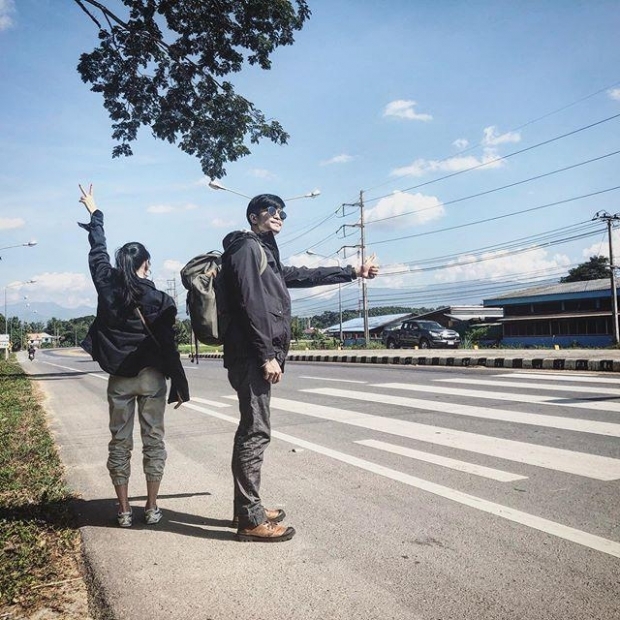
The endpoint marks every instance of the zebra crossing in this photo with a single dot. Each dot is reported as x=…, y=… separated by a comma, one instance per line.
x=442, y=397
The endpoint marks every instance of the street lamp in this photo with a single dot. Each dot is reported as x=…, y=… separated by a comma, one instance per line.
x=213, y=184
x=29, y=244
x=311, y=253
x=6, y=318
x=313, y=194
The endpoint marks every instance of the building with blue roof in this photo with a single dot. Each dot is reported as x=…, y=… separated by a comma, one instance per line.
x=565, y=314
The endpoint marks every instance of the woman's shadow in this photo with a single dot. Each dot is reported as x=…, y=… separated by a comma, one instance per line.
x=102, y=513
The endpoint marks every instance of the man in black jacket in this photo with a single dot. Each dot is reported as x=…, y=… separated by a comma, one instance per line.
x=256, y=343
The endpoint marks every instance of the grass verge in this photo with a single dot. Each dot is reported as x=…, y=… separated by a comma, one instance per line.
x=39, y=544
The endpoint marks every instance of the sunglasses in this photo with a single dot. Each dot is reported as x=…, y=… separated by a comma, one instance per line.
x=273, y=211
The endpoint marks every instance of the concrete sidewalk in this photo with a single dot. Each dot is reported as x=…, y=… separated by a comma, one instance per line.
x=599, y=360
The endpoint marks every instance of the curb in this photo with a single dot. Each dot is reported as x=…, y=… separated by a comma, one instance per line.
x=487, y=361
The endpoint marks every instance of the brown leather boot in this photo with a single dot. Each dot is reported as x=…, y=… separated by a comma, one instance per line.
x=274, y=515
x=266, y=532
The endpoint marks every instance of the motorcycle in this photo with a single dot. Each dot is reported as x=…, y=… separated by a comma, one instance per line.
x=31, y=355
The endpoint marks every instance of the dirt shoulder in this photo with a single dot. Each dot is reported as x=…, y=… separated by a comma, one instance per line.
x=41, y=571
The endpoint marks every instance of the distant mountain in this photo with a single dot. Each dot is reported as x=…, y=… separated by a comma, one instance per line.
x=45, y=310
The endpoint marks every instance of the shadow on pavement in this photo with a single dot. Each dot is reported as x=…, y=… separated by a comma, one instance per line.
x=51, y=376
x=44, y=376
x=102, y=513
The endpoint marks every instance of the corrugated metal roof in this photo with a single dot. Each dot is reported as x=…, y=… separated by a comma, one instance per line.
x=561, y=288
x=374, y=322
x=563, y=315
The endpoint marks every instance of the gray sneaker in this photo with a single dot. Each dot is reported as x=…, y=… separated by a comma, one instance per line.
x=152, y=516
x=125, y=519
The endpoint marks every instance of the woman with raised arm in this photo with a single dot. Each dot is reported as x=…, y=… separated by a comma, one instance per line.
x=132, y=339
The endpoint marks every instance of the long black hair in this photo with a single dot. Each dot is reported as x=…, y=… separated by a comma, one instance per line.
x=129, y=259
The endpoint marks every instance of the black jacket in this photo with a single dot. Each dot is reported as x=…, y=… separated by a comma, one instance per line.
x=117, y=339
x=258, y=305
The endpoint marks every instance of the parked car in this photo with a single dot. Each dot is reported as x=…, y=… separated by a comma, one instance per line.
x=423, y=334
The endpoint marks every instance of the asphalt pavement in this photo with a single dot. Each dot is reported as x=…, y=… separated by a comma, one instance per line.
x=190, y=566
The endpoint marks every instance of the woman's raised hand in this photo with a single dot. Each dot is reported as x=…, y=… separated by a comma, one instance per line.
x=88, y=199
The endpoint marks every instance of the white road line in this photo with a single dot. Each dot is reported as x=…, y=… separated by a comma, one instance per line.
x=538, y=523
x=211, y=403
x=537, y=386
x=570, y=376
x=331, y=379
x=443, y=461
x=609, y=429
x=578, y=463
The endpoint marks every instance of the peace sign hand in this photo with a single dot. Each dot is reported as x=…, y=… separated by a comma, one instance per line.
x=88, y=199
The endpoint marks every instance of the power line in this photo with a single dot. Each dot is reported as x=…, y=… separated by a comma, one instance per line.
x=526, y=124
x=587, y=228
x=499, y=217
x=503, y=157
x=545, y=239
x=496, y=189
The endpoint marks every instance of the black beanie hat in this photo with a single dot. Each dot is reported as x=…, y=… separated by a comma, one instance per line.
x=261, y=202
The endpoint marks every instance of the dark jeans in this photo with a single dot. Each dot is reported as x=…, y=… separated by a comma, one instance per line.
x=251, y=439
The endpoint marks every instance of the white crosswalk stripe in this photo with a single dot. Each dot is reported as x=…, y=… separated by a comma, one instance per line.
x=536, y=386
x=567, y=461
x=443, y=461
x=578, y=463
x=570, y=377
x=211, y=403
x=534, y=419
x=547, y=526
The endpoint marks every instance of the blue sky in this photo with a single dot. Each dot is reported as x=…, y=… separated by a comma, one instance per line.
x=422, y=105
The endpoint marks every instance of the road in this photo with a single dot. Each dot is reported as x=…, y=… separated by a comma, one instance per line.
x=427, y=493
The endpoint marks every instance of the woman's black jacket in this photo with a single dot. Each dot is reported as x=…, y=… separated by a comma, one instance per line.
x=117, y=339
x=257, y=301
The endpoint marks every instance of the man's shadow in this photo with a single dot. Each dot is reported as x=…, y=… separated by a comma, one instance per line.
x=102, y=513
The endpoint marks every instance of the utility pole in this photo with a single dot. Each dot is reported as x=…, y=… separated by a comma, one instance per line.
x=609, y=219
x=362, y=248
x=171, y=289
x=363, y=257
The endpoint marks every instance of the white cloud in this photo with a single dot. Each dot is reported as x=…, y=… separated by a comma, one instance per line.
x=492, y=138
x=173, y=266
x=6, y=223
x=314, y=260
x=601, y=248
x=501, y=265
x=7, y=10
x=420, y=167
x=398, y=275
x=170, y=209
x=307, y=260
x=490, y=158
x=168, y=270
x=338, y=159
x=461, y=143
x=66, y=289
x=405, y=109
x=218, y=222
x=614, y=93
x=411, y=209
x=261, y=173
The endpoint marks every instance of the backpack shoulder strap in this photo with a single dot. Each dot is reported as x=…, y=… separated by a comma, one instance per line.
x=146, y=327
x=263, y=259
